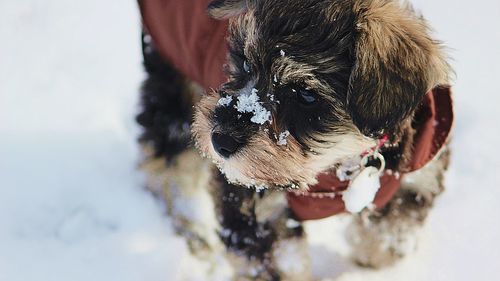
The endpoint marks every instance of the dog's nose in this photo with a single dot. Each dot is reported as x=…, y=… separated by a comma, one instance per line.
x=224, y=144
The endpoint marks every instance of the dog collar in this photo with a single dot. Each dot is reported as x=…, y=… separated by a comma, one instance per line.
x=433, y=121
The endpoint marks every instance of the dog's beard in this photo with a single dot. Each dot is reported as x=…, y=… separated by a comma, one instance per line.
x=263, y=163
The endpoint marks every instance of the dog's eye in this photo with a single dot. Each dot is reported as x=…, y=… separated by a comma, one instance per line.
x=246, y=67
x=305, y=96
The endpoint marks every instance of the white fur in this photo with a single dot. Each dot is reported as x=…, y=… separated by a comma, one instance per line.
x=292, y=259
x=343, y=147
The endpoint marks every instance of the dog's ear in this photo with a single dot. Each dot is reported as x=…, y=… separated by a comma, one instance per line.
x=396, y=63
x=223, y=9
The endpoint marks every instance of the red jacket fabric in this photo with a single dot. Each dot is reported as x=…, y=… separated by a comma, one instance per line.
x=188, y=38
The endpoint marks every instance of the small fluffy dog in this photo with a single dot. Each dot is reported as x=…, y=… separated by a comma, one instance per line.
x=327, y=106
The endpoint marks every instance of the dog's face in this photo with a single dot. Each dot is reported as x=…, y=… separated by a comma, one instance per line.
x=312, y=83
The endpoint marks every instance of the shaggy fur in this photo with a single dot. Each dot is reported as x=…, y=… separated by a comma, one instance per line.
x=335, y=75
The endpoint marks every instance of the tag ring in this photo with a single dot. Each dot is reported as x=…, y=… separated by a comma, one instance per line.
x=375, y=155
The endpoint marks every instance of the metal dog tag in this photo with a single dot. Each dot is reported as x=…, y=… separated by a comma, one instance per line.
x=362, y=190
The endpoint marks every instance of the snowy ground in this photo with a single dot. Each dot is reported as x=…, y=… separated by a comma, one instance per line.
x=71, y=202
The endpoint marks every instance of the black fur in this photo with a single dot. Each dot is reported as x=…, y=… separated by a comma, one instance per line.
x=242, y=130
x=166, y=109
x=242, y=232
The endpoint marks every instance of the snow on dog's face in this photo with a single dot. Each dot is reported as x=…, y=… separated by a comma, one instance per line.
x=312, y=83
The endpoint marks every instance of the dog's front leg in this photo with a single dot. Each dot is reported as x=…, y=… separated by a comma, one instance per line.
x=290, y=255
x=263, y=241
x=380, y=238
x=183, y=183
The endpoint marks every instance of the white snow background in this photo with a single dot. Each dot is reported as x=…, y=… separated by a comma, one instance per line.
x=72, y=205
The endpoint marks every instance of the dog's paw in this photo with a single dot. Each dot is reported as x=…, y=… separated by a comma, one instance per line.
x=197, y=244
x=378, y=244
x=291, y=259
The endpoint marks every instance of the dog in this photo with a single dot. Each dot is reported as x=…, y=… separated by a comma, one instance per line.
x=318, y=103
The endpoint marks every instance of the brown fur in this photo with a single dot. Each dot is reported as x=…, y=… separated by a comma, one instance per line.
x=223, y=9
x=264, y=154
x=395, y=58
